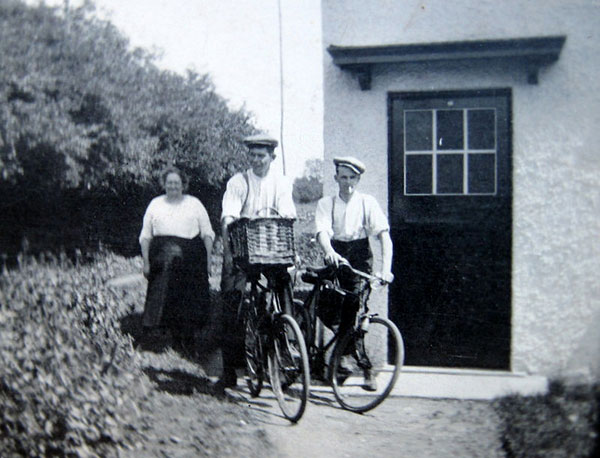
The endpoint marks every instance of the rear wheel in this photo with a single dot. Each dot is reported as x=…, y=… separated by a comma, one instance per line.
x=288, y=367
x=253, y=350
x=362, y=379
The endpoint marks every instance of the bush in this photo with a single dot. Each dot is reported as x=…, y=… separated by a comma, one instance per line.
x=306, y=247
x=307, y=189
x=68, y=374
x=563, y=423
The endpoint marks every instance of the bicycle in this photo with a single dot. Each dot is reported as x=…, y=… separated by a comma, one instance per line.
x=365, y=341
x=273, y=342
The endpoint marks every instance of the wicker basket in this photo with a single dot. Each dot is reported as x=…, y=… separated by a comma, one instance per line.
x=262, y=241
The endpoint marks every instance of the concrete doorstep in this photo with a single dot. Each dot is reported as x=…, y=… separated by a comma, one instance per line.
x=471, y=384
x=443, y=383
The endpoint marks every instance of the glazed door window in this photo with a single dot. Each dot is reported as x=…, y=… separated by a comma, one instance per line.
x=450, y=151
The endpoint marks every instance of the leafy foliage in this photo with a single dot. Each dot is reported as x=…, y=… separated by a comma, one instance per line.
x=68, y=375
x=309, y=187
x=80, y=111
x=563, y=423
x=306, y=245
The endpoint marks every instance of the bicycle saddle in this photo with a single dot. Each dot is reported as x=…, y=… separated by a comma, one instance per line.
x=314, y=274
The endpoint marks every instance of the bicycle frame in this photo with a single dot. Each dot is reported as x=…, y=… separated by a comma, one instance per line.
x=315, y=340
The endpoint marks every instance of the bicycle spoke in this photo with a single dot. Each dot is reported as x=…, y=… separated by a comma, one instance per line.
x=365, y=365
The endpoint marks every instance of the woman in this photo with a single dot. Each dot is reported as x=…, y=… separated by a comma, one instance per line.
x=176, y=242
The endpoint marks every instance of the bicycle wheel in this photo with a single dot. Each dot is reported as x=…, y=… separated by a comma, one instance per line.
x=350, y=366
x=302, y=317
x=288, y=367
x=254, y=352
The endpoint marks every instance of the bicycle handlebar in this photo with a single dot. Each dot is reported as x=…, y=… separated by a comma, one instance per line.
x=373, y=279
x=360, y=273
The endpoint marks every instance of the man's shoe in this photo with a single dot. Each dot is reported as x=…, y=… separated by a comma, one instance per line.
x=370, y=382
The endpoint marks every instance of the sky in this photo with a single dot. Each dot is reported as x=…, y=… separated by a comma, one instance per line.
x=237, y=43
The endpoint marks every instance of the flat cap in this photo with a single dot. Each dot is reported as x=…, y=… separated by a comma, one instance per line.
x=260, y=140
x=351, y=162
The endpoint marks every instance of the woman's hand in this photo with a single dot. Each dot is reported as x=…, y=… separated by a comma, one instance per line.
x=146, y=269
x=227, y=262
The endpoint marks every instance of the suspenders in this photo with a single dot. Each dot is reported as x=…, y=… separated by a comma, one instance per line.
x=247, y=192
x=274, y=204
x=364, y=220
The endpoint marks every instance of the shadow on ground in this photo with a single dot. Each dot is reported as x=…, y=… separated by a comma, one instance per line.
x=179, y=382
x=207, y=339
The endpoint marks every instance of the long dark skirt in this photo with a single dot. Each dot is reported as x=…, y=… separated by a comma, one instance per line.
x=178, y=290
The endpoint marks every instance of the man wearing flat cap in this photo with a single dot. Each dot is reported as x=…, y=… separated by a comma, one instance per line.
x=344, y=223
x=257, y=192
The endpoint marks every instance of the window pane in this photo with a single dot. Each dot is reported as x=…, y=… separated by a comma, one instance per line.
x=418, y=130
x=450, y=129
x=482, y=132
x=482, y=173
x=418, y=174
x=450, y=174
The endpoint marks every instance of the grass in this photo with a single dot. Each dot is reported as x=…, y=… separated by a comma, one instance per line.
x=562, y=423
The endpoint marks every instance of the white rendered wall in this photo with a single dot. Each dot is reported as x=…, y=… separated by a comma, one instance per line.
x=556, y=157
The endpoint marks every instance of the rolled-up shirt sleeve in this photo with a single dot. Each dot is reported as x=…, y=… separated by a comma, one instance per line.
x=234, y=196
x=323, y=222
x=376, y=219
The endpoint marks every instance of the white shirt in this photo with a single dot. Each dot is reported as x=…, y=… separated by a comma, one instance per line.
x=185, y=219
x=270, y=191
x=361, y=217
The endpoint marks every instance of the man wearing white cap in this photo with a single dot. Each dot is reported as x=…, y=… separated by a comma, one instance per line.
x=259, y=191
x=344, y=223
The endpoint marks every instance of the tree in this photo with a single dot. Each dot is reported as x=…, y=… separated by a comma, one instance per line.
x=309, y=187
x=82, y=115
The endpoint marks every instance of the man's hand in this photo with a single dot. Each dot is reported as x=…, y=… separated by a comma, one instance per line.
x=334, y=258
x=387, y=277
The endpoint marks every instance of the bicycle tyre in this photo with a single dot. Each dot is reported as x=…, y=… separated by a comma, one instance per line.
x=253, y=350
x=302, y=317
x=289, y=370
x=348, y=392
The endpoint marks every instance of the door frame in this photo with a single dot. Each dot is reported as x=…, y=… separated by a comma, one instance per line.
x=396, y=167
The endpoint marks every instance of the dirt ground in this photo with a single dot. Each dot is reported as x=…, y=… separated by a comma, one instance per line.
x=400, y=427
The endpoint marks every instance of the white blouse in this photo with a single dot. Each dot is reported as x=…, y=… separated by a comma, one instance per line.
x=361, y=217
x=185, y=219
x=273, y=190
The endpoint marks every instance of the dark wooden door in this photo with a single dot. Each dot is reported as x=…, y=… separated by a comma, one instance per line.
x=450, y=213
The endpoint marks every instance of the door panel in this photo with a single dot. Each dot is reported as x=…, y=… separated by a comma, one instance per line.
x=450, y=212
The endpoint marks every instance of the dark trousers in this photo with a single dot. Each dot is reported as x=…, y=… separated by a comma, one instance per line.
x=358, y=253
